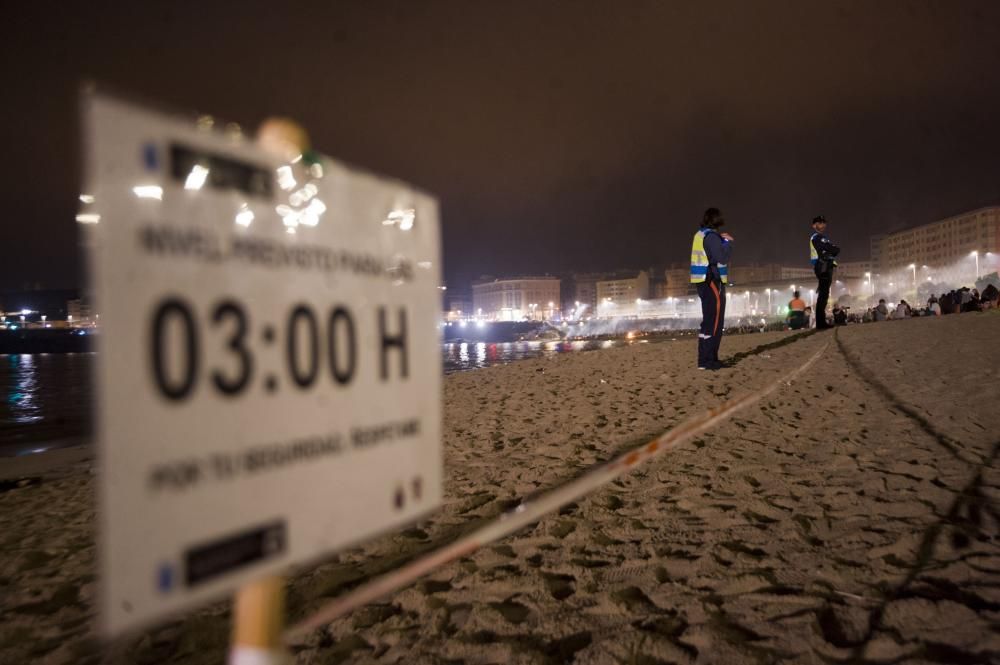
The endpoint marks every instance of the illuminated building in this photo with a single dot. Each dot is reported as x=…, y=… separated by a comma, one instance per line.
x=516, y=298
x=459, y=306
x=619, y=293
x=942, y=243
x=79, y=312
x=677, y=281
x=584, y=292
x=623, y=288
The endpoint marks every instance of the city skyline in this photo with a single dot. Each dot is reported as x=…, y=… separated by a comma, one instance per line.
x=580, y=140
x=941, y=246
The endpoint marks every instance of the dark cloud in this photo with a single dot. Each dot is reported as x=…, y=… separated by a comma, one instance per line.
x=558, y=136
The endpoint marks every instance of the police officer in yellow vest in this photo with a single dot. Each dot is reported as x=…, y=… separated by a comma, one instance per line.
x=710, y=253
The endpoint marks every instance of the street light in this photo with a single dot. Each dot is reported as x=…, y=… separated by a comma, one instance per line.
x=913, y=267
x=976, y=254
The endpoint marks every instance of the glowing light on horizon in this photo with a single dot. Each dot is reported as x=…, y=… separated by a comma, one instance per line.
x=148, y=192
x=404, y=218
x=285, y=178
x=245, y=216
x=196, y=179
x=316, y=207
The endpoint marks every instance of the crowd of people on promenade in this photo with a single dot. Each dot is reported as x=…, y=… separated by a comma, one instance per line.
x=960, y=300
x=956, y=301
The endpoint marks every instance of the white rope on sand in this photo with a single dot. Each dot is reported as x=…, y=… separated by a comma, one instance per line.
x=528, y=513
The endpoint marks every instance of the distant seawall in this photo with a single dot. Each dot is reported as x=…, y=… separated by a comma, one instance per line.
x=515, y=331
x=49, y=340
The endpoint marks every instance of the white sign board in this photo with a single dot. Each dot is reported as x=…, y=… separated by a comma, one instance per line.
x=269, y=367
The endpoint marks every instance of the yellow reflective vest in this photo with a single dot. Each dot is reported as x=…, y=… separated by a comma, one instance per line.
x=699, y=259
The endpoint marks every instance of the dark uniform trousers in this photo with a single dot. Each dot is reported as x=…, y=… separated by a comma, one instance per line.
x=822, y=297
x=713, y=313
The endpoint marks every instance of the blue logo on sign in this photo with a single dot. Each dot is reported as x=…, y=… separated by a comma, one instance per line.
x=151, y=157
x=165, y=578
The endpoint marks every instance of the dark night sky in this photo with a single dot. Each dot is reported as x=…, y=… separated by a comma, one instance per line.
x=557, y=135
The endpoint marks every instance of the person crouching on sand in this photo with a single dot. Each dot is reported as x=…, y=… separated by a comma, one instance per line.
x=797, y=312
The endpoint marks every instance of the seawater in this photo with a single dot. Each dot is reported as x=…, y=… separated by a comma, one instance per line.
x=45, y=400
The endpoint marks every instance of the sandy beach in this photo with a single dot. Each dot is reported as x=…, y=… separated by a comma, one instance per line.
x=852, y=516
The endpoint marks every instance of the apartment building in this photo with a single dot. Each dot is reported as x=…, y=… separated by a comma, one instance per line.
x=516, y=298
x=941, y=243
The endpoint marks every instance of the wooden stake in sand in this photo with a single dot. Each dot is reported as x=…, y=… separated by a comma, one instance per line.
x=530, y=512
x=258, y=619
x=259, y=608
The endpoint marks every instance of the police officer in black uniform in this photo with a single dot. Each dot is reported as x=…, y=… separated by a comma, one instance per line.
x=821, y=254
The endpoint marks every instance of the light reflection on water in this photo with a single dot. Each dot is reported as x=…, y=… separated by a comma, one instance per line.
x=44, y=397
x=22, y=397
